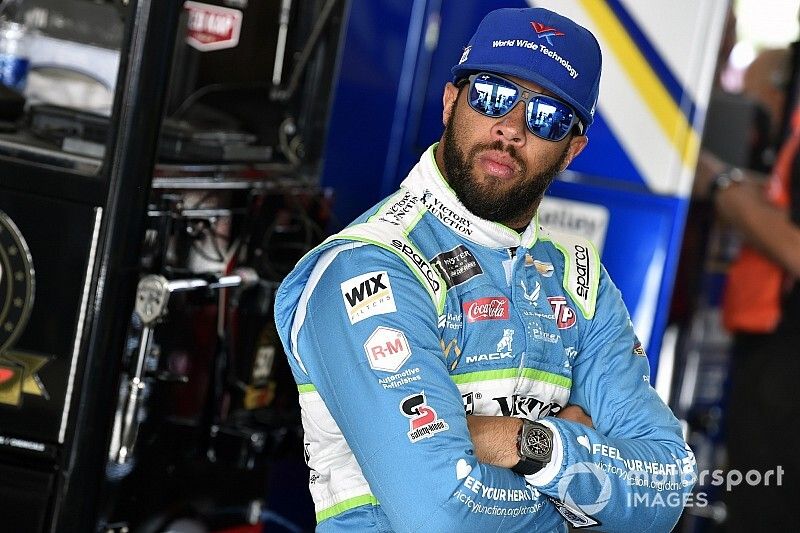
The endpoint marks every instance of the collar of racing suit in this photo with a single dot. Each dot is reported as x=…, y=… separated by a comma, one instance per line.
x=426, y=182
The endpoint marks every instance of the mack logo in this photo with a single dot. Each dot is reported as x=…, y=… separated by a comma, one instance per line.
x=494, y=356
x=526, y=406
x=492, y=308
x=504, y=349
x=565, y=316
x=368, y=295
x=426, y=269
x=582, y=264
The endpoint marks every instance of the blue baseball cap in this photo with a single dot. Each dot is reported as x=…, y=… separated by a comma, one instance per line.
x=541, y=46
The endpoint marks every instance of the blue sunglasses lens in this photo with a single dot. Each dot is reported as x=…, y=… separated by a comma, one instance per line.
x=547, y=117
x=494, y=97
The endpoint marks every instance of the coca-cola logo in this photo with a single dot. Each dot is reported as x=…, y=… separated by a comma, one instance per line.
x=492, y=308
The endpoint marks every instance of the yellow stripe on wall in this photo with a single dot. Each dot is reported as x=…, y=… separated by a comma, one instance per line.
x=669, y=117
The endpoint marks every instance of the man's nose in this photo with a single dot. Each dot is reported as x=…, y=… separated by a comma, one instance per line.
x=511, y=126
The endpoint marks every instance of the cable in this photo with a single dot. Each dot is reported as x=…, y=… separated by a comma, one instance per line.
x=212, y=88
x=286, y=94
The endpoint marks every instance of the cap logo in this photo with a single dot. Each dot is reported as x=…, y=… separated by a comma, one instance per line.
x=546, y=32
x=465, y=55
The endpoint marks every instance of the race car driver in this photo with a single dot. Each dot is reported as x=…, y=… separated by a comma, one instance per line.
x=448, y=303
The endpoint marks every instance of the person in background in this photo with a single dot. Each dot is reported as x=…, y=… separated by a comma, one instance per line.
x=761, y=308
x=459, y=367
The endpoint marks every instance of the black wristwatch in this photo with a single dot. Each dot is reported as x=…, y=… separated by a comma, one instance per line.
x=534, y=446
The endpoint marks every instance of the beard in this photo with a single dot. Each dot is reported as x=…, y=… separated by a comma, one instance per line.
x=489, y=199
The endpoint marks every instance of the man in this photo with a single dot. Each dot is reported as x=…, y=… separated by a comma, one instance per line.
x=447, y=301
x=761, y=307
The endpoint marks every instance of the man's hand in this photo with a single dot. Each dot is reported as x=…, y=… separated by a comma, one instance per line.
x=575, y=414
x=495, y=437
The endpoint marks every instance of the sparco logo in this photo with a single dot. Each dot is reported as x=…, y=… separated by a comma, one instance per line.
x=492, y=308
x=582, y=264
x=425, y=268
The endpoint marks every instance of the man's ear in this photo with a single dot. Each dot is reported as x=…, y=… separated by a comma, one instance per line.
x=576, y=145
x=448, y=101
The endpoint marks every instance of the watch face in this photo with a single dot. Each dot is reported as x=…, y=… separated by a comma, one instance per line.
x=538, y=442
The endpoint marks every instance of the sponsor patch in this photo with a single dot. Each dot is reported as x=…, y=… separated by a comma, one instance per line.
x=529, y=407
x=565, y=315
x=583, y=277
x=577, y=518
x=638, y=349
x=541, y=335
x=423, y=420
x=468, y=399
x=387, y=349
x=420, y=264
x=504, y=350
x=532, y=296
x=544, y=269
x=491, y=308
x=211, y=27
x=396, y=213
x=447, y=216
x=457, y=266
x=368, y=295
x=405, y=377
x=465, y=54
x=450, y=321
x=448, y=349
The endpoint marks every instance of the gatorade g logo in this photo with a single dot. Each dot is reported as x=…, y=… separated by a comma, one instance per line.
x=423, y=421
x=424, y=267
x=582, y=264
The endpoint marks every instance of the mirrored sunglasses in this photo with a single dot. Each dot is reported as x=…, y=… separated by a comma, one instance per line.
x=547, y=117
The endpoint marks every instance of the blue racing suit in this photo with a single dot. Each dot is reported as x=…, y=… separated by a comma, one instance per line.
x=420, y=313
